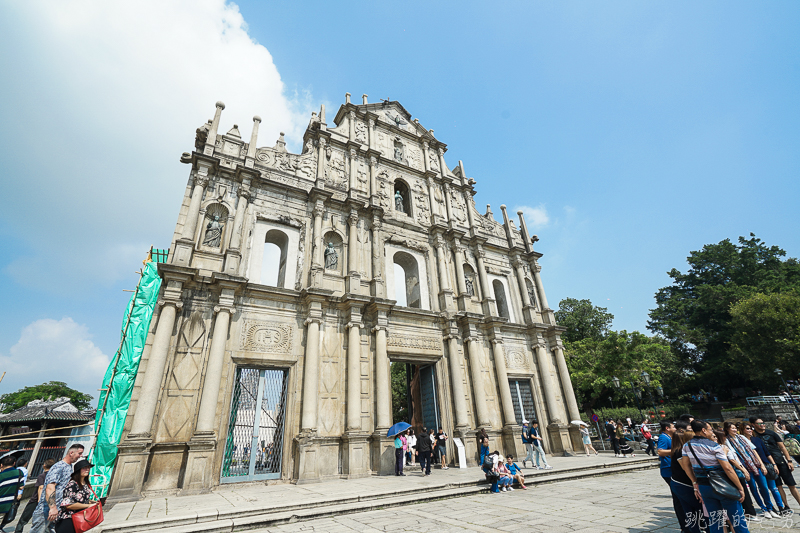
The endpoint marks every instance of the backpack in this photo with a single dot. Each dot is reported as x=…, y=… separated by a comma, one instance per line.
x=792, y=446
x=488, y=462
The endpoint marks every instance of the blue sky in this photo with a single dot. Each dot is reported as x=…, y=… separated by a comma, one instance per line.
x=631, y=132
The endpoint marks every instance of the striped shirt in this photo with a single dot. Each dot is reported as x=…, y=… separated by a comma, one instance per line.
x=9, y=484
x=707, y=451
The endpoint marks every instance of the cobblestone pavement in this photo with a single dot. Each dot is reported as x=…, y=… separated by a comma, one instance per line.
x=634, y=502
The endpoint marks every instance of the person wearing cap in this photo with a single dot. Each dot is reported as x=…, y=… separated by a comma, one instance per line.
x=527, y=440
x=78, y=495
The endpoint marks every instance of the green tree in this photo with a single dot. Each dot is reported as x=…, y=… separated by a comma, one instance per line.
x=399, y=393
x=593, y=363
x=582, y=320
x=766, y=335
x=46, y=391
x=694, y=313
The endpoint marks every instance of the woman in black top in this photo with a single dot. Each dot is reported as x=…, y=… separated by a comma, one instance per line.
x=681, y=485
x=78, y=496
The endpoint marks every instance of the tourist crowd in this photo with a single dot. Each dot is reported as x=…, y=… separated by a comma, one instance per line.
x=718, y=475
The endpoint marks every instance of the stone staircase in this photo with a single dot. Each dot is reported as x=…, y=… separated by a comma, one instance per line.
x=264, y=515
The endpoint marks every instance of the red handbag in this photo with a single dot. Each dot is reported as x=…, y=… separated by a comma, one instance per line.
x=88, y=518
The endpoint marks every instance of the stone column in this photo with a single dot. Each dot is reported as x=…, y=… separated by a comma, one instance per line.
x=311, y=375
x=527, y=309
x=478, y=391
x=489, y=306
x=321, y=157
x=425, y=156
x=352, y=126
x=190, y=225
x=383, y=389
x=448, y=206
x=211, y=386
x=502, y=381
x=442, y=166
x=353, y=275
x=151, y=384
x=251, y=148
x=373, y=181
x=233, y=254
x=545, y=371
x=378, y=285
x=353, y=179
x=317, y=246
x=457, y=382
x=444, y=275
x=537, y=279
x=566, y=384
x=458, y=252
x=371, y=135
x=211, y=140
x=354, y=372
x=431, y=200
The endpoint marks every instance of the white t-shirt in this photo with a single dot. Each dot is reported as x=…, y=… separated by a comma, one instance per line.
x=412, y=440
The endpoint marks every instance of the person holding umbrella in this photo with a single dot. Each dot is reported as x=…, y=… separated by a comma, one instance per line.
x=397, y=431
x=585, y=436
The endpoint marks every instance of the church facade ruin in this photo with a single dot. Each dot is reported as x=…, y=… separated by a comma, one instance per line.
x=295, y=281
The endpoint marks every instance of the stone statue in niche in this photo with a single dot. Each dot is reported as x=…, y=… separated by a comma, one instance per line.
x=532, y=295
x=213, y=233
x=361, y=132
x=331, y=257
x=398, y=201
x=398, y=151
x=470, y=286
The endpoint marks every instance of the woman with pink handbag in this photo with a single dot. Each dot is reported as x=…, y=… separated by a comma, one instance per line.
x=80, y=509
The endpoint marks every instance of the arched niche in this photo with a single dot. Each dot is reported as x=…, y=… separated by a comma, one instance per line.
x=531, y=292
x=273, y=262
x=403, y=206
x=470, y=280
x=500, y=297
x=332, y=252
x=213, y=229
x=409, y=284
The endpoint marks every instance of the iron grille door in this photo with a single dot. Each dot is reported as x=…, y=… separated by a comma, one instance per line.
x=254, y=446
x=430, y=407
x=522, y=399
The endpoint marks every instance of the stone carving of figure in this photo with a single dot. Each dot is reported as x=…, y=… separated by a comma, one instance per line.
x=398, y=201
x=213, y=233
x=398, y=152
x=532, y=295
x=470, y=286
x=331, y=257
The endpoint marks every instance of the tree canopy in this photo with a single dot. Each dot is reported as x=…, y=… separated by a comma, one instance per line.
x=46, y=391
x=694, y=312
x=766, y=336
x=582, y=320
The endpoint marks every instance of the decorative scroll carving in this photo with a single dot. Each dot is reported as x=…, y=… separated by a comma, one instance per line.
x=266, y=337
x=361, y=132
x=414, y=342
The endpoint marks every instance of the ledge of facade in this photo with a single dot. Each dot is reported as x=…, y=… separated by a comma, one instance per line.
x=170, y=272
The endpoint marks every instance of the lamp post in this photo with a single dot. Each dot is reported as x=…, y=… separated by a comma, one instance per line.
x=794, y=403
x=646, y=378
x=612, y=401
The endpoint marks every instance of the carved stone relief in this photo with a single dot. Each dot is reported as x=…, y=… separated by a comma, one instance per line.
x=335, y=174
x=266, y=337
x=361, y=132
x=409, y=342
x=515, y=358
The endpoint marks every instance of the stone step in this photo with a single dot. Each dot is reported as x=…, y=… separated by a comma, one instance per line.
x=259, y=517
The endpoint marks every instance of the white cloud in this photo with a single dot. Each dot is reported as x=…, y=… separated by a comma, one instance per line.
x=535, y=217
x=100, y=100
x=54, y=350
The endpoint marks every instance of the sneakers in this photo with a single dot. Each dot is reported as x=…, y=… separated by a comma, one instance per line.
x=548, y=467
x=503, y=489
x=771, y=514
x=786, y=512
x=445, y=468
x=510, y=488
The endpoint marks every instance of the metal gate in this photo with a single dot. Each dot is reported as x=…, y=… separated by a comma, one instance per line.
x=522, y=399
x=254, y=446
x=427, y=389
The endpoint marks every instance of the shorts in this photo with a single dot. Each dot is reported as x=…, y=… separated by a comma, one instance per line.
x=784, y=476
x=587, y=439
x=442, y=450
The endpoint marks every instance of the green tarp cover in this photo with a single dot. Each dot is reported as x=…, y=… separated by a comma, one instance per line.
x=121, y=386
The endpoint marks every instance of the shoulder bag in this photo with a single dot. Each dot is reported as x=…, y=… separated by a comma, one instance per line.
x=88, y=518
x=772, y=472
x=718, y=480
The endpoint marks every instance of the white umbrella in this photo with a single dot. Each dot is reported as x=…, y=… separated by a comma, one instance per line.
x=579, y=423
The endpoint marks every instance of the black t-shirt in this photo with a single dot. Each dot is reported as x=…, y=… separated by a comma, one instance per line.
x=441, y=437
x=678, y=473
x=39, y=483
x=771, y=440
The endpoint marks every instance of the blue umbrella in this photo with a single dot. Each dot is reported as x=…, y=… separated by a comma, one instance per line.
x=398, y=428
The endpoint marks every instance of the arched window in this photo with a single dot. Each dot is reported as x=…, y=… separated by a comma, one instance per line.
x=273, y=263
x=401, y=199
x=407, y=281
x=470, y=281
x=333, y=252
x=500, y=297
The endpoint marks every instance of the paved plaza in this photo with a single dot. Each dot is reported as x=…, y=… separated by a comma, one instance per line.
x=633, y=502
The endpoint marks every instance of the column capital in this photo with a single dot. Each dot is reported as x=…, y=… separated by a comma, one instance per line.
x=471, y=338
x=352, y=219
x=379, y=328
x=373, y=161
x=497, y=341
x=311, y=320
x=318, y=210
x=201, y=181
x=539, y=346
x=177, y=304
x=426, y=145
x=441, y=154
x=219, y=308
x=244, y=192
x=450, y=336
x=358, y=325
x=352, y=153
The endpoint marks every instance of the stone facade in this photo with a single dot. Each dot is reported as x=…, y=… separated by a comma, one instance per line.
x=364, y=196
